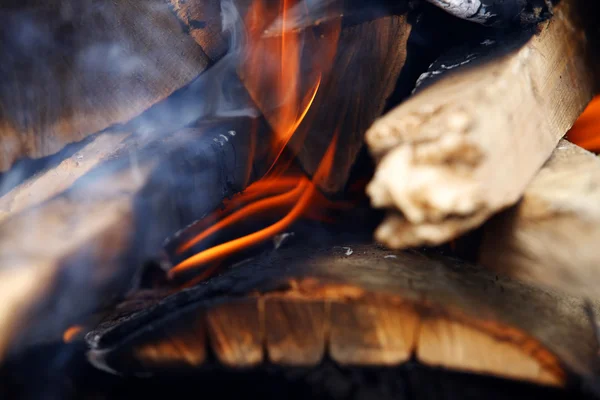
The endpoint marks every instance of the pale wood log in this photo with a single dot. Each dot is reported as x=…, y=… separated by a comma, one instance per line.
x=381, y=308
x=551, y=236
x=71, y=68
x=467, y=145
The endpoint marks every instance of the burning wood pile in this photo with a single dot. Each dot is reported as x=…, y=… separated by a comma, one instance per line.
x=227, y=188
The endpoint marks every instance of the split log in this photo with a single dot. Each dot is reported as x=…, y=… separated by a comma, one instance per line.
x=71, y=68
x=466, y=145
x=551, y=236
x=68, y=252
x=347, y=103
x=372, y=307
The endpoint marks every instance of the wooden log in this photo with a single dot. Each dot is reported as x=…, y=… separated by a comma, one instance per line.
x=82, y=246
x=466, y=145
x=378, y=307
x=347, y=103
x=71, y=68
x=551, y=236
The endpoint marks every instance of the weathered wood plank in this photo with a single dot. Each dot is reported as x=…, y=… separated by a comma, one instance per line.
x=466, y=146
x=551, y=236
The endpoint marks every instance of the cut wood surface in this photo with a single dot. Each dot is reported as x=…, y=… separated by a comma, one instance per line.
x=551, y=236
x=81, y=246
x=372, y=307
x=71, y=68
x=466, y=145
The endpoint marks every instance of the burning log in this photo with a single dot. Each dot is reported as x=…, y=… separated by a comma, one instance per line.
x=358, y=305
x=80, y=247
x=132, y=192
x=330, y=62
x=551, y=236
x=71, y=68
x=467, y=145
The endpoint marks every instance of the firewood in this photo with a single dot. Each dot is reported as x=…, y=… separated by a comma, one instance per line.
x=466, y=145
x=551, y=236
x=376, y=49
x=83, y=245
x=296, y=305
x=71, y=68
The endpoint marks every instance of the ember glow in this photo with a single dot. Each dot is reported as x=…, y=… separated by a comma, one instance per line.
x=71, y=333
x=586, y=131
x=283, y=81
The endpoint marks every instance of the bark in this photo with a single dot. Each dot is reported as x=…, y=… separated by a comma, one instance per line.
x=372, y=307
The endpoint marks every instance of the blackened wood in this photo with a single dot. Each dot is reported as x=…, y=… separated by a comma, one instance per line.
x=387, y=306
x=71, y=68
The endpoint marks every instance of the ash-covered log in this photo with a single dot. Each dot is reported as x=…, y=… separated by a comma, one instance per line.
x=466, y=145
x=358, y=305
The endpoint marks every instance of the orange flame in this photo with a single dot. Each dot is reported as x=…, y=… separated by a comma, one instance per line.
x=275, y=73
x=71, y=333
x=586, y=131
x=302, y=195
x=284, y=88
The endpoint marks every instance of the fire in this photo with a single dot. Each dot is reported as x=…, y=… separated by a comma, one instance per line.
x=283, y=81
x=72, y=333
x=586, y=131
x=297, y=200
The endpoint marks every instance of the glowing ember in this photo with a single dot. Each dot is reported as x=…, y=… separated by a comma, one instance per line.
x=586, y=131
x=71, y=333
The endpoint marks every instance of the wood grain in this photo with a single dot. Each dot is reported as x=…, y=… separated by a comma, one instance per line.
x=466, y=145
x=551, y=236
x=371, y=332
x=295, y=331
x=71, y=68
x=235, y=332
x=382, y=309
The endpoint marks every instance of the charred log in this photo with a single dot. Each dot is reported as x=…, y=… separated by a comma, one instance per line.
x=82, y=246
x=365, y=307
